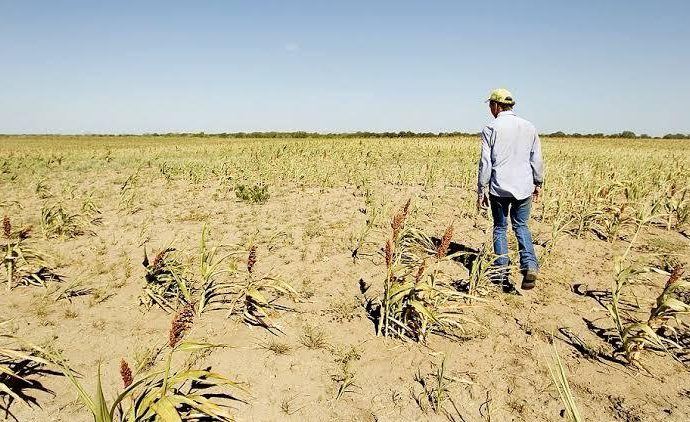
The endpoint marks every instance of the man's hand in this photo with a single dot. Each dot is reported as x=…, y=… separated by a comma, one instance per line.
x=482, y=202
x=536, y=194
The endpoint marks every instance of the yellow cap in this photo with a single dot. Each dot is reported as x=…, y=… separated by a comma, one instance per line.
x=502, y=95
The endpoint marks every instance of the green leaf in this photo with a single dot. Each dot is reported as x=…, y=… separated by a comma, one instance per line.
x=205, y=406
x=202, y=375
x=81, y=392
x=419, y=306
x=135, y=384
x=165, y=409
x=194, y=346
x=257, y=297
x=23, y=356
x=102, y=414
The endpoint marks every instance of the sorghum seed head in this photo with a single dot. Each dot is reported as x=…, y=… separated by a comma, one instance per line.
x=406, y=208
x=181, y=323
x=251, y=259
x=445, y=242
x=125, y=373
x=420, y=272
x=675, y=275
x=158, y=260
x=6, y=227
x=399, y=219
x=388, y=250
x=397, y=224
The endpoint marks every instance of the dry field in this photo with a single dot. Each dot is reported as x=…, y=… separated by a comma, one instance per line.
x=303, y=287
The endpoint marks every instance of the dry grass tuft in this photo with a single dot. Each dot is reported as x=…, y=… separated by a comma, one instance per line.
x=276, y=347
x=313, y=338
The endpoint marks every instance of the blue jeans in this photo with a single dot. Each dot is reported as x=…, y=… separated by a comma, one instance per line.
x=519, y=216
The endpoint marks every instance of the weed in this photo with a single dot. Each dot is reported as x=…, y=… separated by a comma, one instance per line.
x=145, y=358
x=435, y=387
x=344, y=310
x=276, y=347
x=435, y=390
x=74, y=289
x=286, y=406
x=313, y=337
x=345, y=355
x=100, y=295
x=359, y=241
x=70, y=313
x=256, y=194
x=345, y=381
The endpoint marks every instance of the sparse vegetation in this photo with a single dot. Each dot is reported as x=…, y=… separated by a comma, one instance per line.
x=166, y=284
x=163, y=394
x=256, y=194
x=424, y=271
x=56, y=221
x=313, y=337
x=21, y=261
x=657, y=332
x=276, y=347
x=560, y=380
x=254, y=295
x=435, y=390
x=19, y=362
x=417, y=300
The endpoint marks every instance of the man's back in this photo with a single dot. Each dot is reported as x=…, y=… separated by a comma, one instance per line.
x=514, y=155
x=511, y=170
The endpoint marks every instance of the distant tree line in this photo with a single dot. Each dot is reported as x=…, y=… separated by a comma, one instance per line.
x=302, y=134
x=365, y=134
x=626, y=134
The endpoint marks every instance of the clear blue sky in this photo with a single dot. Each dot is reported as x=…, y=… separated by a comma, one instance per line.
x=214, y=66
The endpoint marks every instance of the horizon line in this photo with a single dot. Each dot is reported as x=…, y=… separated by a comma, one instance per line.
x=361, y=133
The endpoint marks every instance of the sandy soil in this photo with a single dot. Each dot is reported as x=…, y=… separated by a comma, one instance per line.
x=304, y=235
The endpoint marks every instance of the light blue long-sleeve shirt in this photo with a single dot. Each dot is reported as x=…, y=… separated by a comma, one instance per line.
x=511, y=162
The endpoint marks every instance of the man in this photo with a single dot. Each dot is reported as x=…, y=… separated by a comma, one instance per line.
x=511, y=173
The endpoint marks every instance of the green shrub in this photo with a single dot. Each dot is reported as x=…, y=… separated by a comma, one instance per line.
x=257, y=194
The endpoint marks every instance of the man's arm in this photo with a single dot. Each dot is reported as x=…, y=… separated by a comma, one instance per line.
x=484, y=176
x=537, y=162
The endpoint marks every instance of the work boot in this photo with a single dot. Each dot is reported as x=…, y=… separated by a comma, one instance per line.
x=529, y=279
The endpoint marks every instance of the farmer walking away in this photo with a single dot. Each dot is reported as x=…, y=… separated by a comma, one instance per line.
x=511, y=173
